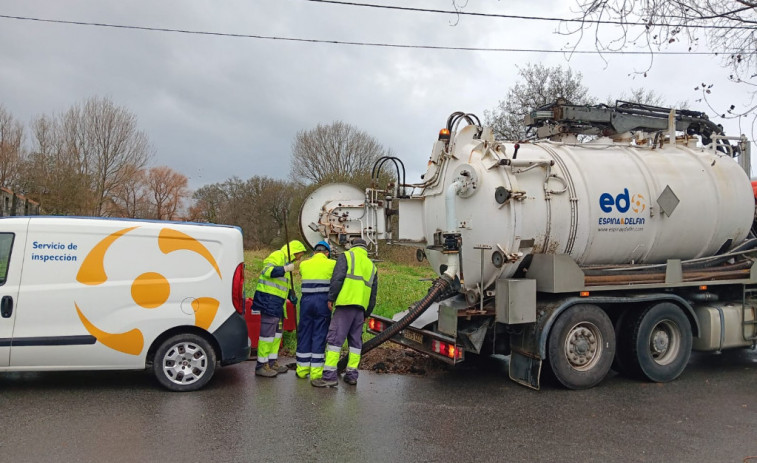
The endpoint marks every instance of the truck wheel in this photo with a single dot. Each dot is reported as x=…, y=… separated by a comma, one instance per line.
x=581, y=346
x=184, y=362
x=660, y=343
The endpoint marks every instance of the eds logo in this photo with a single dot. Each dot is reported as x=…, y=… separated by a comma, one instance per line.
x=622, y=203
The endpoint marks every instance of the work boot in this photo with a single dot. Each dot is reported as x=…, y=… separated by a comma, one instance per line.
x=320, y=382
x=279, y=368
x=350, y=381
x=266, y=371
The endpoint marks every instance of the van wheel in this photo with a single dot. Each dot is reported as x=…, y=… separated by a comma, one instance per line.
x=660, y=343
x=184, y=362
x=581, y=346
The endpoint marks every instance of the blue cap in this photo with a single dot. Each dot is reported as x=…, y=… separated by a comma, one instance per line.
x=322, y=244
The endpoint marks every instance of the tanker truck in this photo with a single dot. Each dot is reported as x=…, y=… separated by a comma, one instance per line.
x=614, y=237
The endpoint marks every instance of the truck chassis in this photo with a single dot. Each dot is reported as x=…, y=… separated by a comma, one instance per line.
x=641, y=325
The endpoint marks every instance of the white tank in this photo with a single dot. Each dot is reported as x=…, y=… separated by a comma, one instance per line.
x=599, y=202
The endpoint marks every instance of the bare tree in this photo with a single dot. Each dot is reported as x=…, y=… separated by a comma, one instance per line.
x=729, y=28
x=83, y=161
x=167, y=190
x=334, y=152
x=255, y=205
x=11, y=137
x=538, y=85
x=111, y=147
x=639, y=95
x=209, y=204
x=130, y=199
x=52, y=174
x=274, y=205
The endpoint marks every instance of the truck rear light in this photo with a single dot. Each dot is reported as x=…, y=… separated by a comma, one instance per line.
x=375, y=325
x=237, y=288
x=446, y=349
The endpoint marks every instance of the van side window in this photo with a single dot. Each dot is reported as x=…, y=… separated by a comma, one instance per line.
x=6, y=244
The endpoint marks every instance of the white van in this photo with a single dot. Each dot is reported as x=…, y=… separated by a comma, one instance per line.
x=90, y=293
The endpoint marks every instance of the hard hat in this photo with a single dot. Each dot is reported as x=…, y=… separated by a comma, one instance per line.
x=324, y=246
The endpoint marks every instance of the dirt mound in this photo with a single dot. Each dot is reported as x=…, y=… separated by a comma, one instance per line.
x=392, y=358
x=386, y=358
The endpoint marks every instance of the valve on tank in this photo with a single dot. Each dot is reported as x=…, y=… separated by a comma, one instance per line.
x=451, y=243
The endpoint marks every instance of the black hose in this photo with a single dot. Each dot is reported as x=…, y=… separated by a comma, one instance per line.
x=470, y=118
x=379, y=164
x=438, y=288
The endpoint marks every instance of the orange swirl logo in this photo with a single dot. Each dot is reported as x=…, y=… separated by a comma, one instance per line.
x=638, y=203
x=150, y=290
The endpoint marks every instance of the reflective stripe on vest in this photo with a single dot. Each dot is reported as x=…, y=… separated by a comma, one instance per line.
x=278, y=286
x=316, y=274
x=325, y=289
x=273, y=284
x=361, y=273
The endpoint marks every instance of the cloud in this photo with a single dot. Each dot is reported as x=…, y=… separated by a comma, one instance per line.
x=215, y=107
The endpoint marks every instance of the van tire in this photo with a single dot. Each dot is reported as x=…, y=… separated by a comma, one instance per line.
x=185, y=362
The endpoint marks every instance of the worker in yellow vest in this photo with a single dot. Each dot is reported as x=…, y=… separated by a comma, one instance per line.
x=352, y=297
x=271, y=293
x=315, y=315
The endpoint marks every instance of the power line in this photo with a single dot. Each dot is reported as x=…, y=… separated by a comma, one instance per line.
x=365, y=44
x=528, y=18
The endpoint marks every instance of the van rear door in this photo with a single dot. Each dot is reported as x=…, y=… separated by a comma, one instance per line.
x=12, y=243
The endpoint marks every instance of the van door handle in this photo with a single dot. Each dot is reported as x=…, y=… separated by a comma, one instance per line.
x=6, y=307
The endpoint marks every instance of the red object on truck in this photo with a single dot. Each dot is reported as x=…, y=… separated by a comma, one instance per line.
x=253, y=321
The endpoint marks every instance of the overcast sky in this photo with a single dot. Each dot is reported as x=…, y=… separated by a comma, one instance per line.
x=214, y=107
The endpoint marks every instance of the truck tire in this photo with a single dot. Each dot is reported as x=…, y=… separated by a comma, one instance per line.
x=659, y=345
x=581, y=346
x=184, y=362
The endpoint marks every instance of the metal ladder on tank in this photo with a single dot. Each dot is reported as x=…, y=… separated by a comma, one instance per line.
x=750, y=295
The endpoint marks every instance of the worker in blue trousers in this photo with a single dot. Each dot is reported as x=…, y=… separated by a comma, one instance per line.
x=315, y=315
x=352, y=297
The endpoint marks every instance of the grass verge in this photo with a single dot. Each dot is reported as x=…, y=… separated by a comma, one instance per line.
x=399, y=285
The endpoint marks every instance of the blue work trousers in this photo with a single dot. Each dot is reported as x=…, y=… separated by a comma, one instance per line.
x=315, y=317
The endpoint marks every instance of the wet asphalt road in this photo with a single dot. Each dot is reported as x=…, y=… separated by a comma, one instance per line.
x=470, y=414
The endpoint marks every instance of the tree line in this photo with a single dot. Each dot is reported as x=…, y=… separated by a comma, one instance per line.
x=92, y=160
